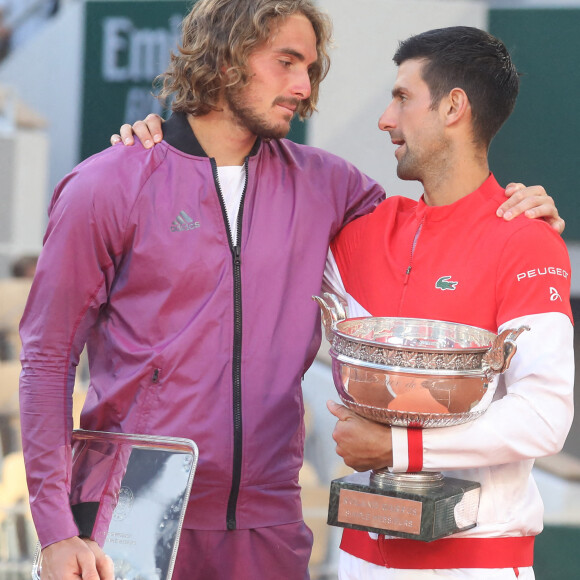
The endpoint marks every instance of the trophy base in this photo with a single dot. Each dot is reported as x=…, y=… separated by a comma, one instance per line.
x=424, y=513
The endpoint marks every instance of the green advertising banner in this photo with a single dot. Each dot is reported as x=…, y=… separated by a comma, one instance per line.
x=127, y=44
x=539, y=142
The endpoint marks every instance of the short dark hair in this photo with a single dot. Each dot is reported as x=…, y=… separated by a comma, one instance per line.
x=470, y=59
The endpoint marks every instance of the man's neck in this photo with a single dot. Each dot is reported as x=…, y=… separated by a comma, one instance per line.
x=460, y=178
x=227, y=143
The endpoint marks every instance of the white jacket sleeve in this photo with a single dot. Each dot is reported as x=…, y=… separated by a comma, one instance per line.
x=332, y=282
x=530, y=415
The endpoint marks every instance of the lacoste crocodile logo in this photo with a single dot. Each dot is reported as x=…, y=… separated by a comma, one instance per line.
x=445, y=283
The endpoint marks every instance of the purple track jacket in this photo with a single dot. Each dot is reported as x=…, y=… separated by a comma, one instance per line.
x=188, y=335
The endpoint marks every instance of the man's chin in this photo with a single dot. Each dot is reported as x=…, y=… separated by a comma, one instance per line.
x=278, y=132
x=402, y=174
x=406, y=174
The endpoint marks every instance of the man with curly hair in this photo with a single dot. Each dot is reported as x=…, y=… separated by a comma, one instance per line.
x=187, y=269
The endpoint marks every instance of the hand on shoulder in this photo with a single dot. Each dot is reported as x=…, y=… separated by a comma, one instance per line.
x=533, y=202
x=147, y=131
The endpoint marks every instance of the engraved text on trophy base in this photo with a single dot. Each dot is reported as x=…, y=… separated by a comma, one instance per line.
x=367, y=509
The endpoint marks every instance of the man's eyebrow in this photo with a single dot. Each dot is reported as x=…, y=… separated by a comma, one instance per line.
x=397, y=91
x=292, y=52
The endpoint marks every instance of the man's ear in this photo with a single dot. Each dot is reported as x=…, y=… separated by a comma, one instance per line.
x=456, y=106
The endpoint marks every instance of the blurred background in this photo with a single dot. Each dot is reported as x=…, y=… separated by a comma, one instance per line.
x=72, y=71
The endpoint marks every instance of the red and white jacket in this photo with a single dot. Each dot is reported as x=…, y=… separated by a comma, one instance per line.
x=463, y=264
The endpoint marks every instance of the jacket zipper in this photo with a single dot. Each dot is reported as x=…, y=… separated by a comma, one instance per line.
x=410, y=264
x=237, y=346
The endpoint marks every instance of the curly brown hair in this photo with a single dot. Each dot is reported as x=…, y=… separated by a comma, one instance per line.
x=218, y=36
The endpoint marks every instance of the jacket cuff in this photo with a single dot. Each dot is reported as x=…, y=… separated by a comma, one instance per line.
x=53, y=519
x=407, y=449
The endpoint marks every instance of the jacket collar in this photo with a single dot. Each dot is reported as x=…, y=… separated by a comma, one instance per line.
x=178, y=133
x=484, y=194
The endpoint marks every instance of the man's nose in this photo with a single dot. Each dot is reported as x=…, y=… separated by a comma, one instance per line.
x=387, y=119
x=302, y=86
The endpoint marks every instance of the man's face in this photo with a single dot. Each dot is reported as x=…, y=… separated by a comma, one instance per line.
x=279, y=80
x=414, y=125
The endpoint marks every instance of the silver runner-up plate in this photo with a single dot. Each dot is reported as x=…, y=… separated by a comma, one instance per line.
x=129, y=493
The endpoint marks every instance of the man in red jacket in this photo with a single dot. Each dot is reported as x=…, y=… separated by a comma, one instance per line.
x=454, y=89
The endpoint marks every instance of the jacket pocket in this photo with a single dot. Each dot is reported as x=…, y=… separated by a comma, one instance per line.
x=146, y=400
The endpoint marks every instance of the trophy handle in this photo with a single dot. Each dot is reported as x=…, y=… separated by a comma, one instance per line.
x=333, y=311
x=498, y=358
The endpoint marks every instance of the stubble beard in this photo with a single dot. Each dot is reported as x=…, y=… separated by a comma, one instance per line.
x=238, y=102
x=407, y=167
x=423, y=163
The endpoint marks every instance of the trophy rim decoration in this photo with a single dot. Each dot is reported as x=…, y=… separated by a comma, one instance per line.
x=410, y=418
x=477, y=355
x=401, y=320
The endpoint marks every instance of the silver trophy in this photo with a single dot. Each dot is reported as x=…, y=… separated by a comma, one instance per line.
x=412, y=373
x=129, y=493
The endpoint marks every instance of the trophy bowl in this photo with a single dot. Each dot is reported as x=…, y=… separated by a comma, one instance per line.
x=412, y=372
